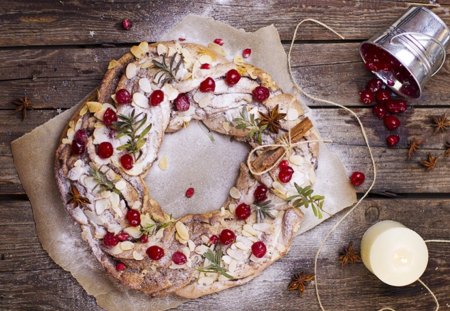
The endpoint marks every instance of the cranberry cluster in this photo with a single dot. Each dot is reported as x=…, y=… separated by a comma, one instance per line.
x=386, y=108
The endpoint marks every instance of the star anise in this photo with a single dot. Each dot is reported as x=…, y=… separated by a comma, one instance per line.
x=430, y=162
x=75, y=197
x=349, y=255
x=23, y=104
x=271, y=120
x=300, y=281
x=441, y=123
x=413, y=146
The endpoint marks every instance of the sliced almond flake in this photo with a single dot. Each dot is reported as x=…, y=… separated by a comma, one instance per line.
x=244, y=240
x=85, y=233
x=186, y=251
x=137, y=255
x=99, y=233
x=161, y=49
x=116, y=250
x=170, y=91
x=278, y=186
x=140, y=100
x=236, y=254
x=182, y=230
x=242, y=246
x=226, y=126
x=137, y=51
x=135, y=232
x=205, y=239
x=205, y=59
x=235, y=193
x=292, y=114
x=113, y=64
x=83, y=110
x=222, y=211
x=232, y=266
x=114, y=199
x=121, y=185
x=66, y=141
x=263, y=227
x=136, y=205
x=163, y=163
x=250, y=229
x=159, y=234
x=179, y=239
x=101, y=205
x=296, y=159
x=232, y=208
x=126, y=245
x=131, y=70
x=191, y=245
x=144, y=46
x=227, y=259
x=144, y=84
x=146, y=64
x=94, y=106
x=146, y=220
x=217, y=48
x=201, y=249
x=205, y=100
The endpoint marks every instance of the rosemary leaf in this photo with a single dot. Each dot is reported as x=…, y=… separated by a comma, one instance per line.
x=263, y=210
x=215, y=267
x=305, y=198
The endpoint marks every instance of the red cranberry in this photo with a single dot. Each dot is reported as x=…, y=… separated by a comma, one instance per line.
x=213, y=239
x=232, y=77
x=392, y=140
x=246, y=53
x=284, y=163
x=218, y=41
x=127, y=161
x=78, y=148
x=207, y=85
x=109, y=117
x=357, y=178
x=259, y=249
x=391, y=122
x=243, y=211
x=189, y=192
x=382, y=96
x=127, y=24
x=133, y=217
x=105, y=150
x=110, y=240
x=366, y=97
x=379, y=110
x=123, y=236
x=260, y=93
x=205, y=66
x=143, y=239
x=260, y=193
x=182, y=102
x=227, y=237
x=374, y=85
x=396, y=106
x=123, y=97
x=79, y=142
x=120, y=266
x=155, y=252
x=156, y=97
x=285, y=174
x=179, y=258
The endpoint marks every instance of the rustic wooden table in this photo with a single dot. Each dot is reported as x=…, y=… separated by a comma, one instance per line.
x=55, y=52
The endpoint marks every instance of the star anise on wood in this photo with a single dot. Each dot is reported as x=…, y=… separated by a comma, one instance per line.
x=441, y=123
x=23, y=104
x=75, y=197
x=430, y=163
x=349, y=255
x=413, y=146
x=272, y=120
x=300, y=281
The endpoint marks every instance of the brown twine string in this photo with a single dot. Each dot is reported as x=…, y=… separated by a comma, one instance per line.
x=366, y=139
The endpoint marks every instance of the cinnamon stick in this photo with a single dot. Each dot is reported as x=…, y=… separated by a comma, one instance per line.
x=270, y=156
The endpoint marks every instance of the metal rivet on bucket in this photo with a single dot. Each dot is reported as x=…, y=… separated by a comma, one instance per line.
x=410, y=52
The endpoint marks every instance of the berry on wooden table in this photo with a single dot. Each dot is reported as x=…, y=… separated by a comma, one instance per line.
x=366, y=97
x=392, y=140
x=391, y=122
x=357, y=178
x=127, y=24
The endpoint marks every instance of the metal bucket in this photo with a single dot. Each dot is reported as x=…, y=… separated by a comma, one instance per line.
x=413, y=49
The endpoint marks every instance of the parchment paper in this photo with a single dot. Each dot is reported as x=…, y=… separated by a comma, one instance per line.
x=34, y=156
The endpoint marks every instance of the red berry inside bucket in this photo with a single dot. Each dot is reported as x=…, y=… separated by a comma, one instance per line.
x=382, y=96
x=366, y=97
x=379, y=110
x=374, y=85
x=396, y=105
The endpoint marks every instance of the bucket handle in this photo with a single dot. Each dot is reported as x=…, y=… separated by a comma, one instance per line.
x=427, y=37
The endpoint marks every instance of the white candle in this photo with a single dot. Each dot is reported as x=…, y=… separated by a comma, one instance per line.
x=398, y=256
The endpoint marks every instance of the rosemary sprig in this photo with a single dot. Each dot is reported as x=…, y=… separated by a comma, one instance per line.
x=153, y=228
x=306, y=198
x=215, y=267
x=248, y=122
x=168, y=68
x=103, y=181
x=263, y=210
x=130, y=126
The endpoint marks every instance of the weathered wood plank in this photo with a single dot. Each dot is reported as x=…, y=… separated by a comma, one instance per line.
x=30, y=280
x=396, y=174
x=61, y=77
x=84, y=22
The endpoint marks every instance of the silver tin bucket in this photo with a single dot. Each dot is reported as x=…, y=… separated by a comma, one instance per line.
x=414, y=47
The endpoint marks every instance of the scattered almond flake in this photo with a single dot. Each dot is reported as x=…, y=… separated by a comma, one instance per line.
x=163, y=163
x=101, y=205
x=205, y=100
x=281, y=194
x=217, y=48
x=172, y=51
x=146, y=64
x=170, y=91
x=250, y=229
x=201, y=249
x=263, y=227
x=113, y=64
x=116, y=250
x=180, y=239
x=137, y=52
x=182, y=230
x=136, y=204
x=144, y=46
x=232, y=266
x=99, y=233
x=186, y=251
x=126, y=246
x=242, y=246
x=292, y=114
x=238, y=60
x=137, y=255
x=244, y=240
x=256, y=259
x=145, y=85
x=191, y=245
x=222, y=211
x=237, y=254
x=121, y=185
x=296, y=160
x=131, y=70
x=227, y=259
x=140, y=100
x=278, y=186
x=83, y=110
x=205, y=59
x=235, y=193
x=226, y=126
x=161, y=49
x=232, y=208
x=115, y=200
x=85, y=233
x=134, y=232
x=94, y=106
x=159, y=234
x=205, y=239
